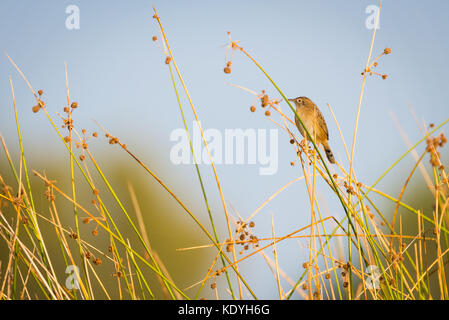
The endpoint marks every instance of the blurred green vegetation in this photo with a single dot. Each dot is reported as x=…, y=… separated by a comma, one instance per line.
x=167, y=225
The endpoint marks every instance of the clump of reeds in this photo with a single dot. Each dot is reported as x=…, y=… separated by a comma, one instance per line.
x=380, y=261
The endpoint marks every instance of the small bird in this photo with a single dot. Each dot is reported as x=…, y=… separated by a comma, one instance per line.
x=314, y=121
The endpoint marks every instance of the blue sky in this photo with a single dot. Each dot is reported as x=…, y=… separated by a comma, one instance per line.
x=310, y=48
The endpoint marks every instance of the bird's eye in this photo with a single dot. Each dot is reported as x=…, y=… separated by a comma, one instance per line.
x=299, y=100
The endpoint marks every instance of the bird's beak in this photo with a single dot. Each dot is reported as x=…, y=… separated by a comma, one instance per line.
x=291, y=100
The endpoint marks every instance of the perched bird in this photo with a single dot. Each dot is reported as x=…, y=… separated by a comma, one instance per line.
x=314, y=121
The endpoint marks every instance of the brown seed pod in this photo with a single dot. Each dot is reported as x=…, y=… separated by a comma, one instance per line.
x=154, y=38
x=36, y=108
x=40, y=92
x=227, y=70
x=167, y=60
x=74, y=105
x=264, y=100
x=268, y=113
x=387, y=50
x=74, y=236
x=253, y=108
x=23, y=219
x=95, y=232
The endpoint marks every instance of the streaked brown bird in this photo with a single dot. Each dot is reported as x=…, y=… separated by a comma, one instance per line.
x=314, y=121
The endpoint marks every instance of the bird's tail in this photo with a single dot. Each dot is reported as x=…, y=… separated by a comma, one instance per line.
x=329, y=154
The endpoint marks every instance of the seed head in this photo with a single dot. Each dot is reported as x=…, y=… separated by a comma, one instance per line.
x=264, y=100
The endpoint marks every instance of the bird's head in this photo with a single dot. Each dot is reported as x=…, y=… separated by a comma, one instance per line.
x=301, y=101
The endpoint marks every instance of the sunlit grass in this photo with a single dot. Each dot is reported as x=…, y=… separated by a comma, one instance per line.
x=364, y=255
